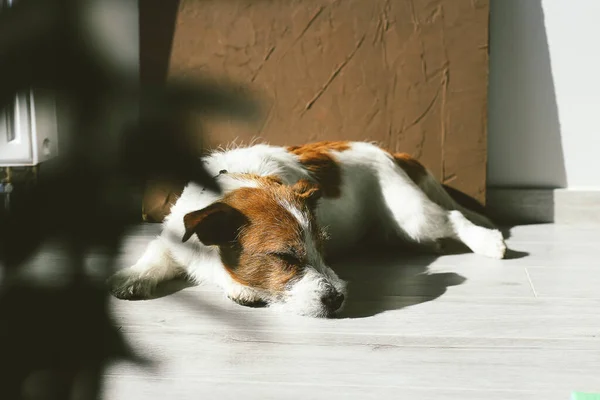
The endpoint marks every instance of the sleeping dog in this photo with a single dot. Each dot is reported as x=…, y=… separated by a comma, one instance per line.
x=264, y=238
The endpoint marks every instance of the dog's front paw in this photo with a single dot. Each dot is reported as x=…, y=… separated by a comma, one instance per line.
x=245, y=296
x=129, y=284
x=254, y=303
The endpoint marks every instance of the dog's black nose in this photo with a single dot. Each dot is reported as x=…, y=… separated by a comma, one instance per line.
x=333, y=301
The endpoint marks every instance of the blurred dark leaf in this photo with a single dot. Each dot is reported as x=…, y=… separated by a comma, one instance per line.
x=89, y=195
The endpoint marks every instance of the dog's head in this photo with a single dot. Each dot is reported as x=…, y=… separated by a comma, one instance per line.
x=269, y=240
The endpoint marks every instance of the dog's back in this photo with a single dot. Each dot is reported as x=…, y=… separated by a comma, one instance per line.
x=364, y=187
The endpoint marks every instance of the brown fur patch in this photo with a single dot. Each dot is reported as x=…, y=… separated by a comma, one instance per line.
x=323, y=146
x=317, y=158
x=264, y=180
x=268, y=249
x=413, y=168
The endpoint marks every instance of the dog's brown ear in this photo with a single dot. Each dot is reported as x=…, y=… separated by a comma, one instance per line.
x=307, y=190
x=216, y=224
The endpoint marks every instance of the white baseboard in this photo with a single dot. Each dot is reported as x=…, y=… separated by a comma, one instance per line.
x=563, y=206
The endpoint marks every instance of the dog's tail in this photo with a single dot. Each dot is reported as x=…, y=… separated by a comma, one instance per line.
x=465, y=200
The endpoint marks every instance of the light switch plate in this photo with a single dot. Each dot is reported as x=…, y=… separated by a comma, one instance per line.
x=29, y=130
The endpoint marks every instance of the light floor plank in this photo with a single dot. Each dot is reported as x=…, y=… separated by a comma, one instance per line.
x=149, y=388
x=416, y=327
x=573, y=282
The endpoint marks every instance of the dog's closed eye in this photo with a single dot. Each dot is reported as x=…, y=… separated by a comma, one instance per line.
x=288, y=258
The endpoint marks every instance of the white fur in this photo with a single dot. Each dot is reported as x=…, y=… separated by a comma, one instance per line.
x=304, y=296
x=375, y=190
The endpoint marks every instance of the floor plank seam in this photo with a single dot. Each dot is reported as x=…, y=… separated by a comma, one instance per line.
x=531, y=283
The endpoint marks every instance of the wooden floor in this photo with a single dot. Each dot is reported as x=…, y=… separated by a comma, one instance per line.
x=455, y=327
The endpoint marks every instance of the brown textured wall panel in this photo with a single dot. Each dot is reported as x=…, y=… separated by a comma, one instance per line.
x=157, y=23
x=409, y=74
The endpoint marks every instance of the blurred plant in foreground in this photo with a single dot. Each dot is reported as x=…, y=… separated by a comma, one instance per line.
x=122, y=134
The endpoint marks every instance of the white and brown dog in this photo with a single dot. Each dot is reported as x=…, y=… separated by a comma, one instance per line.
x=264, y=238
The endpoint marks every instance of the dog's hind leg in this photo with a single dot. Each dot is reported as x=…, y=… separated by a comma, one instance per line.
x=139, y=281
x=436, y=193
x=423, y=214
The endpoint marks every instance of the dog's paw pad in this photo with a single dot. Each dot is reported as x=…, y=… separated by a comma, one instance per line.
x=249, y=303
x=128, y=285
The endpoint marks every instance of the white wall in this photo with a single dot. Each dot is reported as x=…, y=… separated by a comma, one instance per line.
x=544, y=94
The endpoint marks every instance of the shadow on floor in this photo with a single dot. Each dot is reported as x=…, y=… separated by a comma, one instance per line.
x=511, y=254
x=170, y=287
x=383, y=278
x=377, y=282
x=386, y=279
